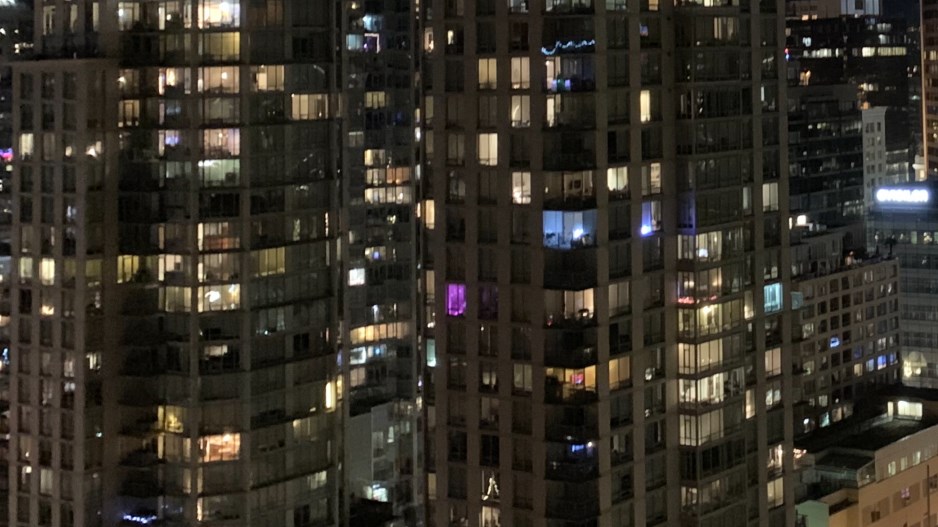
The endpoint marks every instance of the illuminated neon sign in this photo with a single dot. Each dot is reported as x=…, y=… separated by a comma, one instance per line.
x=903, y=195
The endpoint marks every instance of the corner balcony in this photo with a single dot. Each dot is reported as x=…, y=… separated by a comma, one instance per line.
x=565, y=393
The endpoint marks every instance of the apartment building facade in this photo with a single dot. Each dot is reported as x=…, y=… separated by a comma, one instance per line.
x=604, y=199
x=175, y=327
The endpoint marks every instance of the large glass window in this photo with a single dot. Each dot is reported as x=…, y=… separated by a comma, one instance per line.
x=773, y=298
x=310, y=106
x=219, y=80
x=222, y=142
x=221, y=46
x=222, y=447
x=569, y=229
x=220, y=13
x=267, y=78
x=568, y=305
x=221, y=297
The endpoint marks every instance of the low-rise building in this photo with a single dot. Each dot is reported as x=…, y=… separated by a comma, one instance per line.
x=878, y=472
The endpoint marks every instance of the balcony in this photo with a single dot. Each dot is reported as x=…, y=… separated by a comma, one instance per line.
x=142, y=484
x=560, y=160
x=574, y=240
x=141, y=459
x=573, y=470
x=570, y=270
x=583, y=508
x=142, y=427
x=563, y=393
x=578, y=357
x=579, y=319
x=571, y=433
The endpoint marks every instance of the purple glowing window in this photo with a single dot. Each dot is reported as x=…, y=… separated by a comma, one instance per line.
x=455, y=300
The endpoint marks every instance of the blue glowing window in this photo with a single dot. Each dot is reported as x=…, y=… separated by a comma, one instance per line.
x=569, y=229
x=773, y=298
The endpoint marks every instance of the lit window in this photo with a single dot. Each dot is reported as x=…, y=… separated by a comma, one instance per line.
x=267, y=78
x=356, y=276
x=617, y=180
x=488, y=149
x=398, y=195
x=520, y=111
x=219, y=80
x=651, y=217
x=428, y=214
x=47, y=271
x=431, y=353
x=569, y=229
x=375, y=157
x=645, y=104
x=355, y=42
x=222, y=142
x=428, y=40
x=27, y=146
x=219, y=297
x=310, y=106
x=773, y=298
x=574, y=379
x=651, y=179
x=455, y=300
x=176, y=299
x=268, y=261
x=220, y=13
x=330, y=395
x=620, y=374
x=909, y=409
x=222, y=447
x=375, y=99
x=773, y=362
x=488, y=74
x=521, y=188
x=568, y=305
x=770, y=196
x=221, y=47
x=129, y=111
x=776, y=493
x=520, y=73
x=220, y=172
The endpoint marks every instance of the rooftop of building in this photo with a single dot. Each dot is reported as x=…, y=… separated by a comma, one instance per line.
x=866, y=431
x=844, y=461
